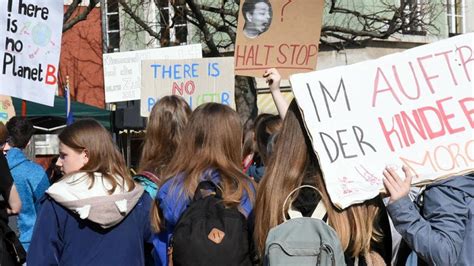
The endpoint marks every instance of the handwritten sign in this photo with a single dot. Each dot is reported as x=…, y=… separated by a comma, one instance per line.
x=30, y=44
x=414, y=108
x=122, y=70
x=277, y=33
x=196, y=80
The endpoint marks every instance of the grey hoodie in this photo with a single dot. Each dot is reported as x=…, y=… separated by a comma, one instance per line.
x=443, y=234
x=95, y=203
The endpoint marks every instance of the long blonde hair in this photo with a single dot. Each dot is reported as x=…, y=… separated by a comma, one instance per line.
x=293, y=163
x=168, y=117
x=91, y=137
x=211, y=140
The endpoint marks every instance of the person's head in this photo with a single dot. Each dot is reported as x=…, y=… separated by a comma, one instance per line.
x=257, y=15
x=86, y=146
x=164, y=130
x=211, y=141
x=250, y=137
x=53, y=171
x=20, y=130
x=293, y=163
x=265, y=130
x=3, y=135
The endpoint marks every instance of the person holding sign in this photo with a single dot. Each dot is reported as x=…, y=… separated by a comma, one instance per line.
x=363, y=228
x=258, y=16
x=440, y=228
x=273, y=79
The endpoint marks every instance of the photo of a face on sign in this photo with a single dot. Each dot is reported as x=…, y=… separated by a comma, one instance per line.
x=262, y=36
x=258, y=17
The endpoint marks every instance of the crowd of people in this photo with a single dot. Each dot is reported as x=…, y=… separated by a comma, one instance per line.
x=97, y=213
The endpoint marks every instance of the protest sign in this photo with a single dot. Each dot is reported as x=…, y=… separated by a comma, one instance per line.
x=30, y=44
x=196, y=80
x=7, y=110
x=414, y=108
x=277, y=33
x=122, y=70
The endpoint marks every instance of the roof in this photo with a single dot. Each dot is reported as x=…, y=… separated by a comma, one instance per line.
x=47, y=119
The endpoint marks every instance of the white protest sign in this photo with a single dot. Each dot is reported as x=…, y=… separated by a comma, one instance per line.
x=196, y=80
x=122, y=70
x=414, y=108
x=30, y=44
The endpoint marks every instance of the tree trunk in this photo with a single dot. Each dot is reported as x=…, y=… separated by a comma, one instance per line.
x=246, y=98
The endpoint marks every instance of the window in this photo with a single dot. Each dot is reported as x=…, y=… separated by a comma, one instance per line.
x=413, y=16
x=173, y=22
x=112, y=25
x=456, y=21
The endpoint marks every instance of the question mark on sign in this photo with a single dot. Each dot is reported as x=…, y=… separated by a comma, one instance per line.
x=283, y=9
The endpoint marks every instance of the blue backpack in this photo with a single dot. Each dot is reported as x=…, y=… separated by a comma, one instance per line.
x=303, y=240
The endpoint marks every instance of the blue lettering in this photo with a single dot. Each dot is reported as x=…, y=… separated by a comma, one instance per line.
x=151, y=103
x=187, y=68
x=217, y=72
x=155, y=69
x=166, y=71
x=225, y=96
x=195, y=70
x=176, y=71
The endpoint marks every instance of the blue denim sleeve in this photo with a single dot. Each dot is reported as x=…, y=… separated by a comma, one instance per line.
x=437, y=235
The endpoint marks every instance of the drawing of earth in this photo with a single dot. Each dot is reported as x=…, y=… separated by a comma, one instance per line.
x=41, y=34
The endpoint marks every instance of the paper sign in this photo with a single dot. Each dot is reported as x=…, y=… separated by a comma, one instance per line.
x=122, y=76
x=30, y=44
x=277, y=33
x=196, y=80
x=414, y=108
x=7, y=110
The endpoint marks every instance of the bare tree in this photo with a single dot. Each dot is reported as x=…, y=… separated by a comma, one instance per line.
x=75, y=14
x=215, y=24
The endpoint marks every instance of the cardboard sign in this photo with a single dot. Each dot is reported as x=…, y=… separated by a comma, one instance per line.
x=277, y=33
x=122, y=76
x=7, y=110
x=30, y=44
x=196, y=80
x=414, y=108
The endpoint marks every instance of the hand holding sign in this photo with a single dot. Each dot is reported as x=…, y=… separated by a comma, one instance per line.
x=396, y=187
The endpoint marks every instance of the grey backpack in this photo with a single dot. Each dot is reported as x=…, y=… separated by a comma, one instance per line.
x=303, y=240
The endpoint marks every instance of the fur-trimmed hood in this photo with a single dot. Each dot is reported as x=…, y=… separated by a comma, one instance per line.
x=95, y=203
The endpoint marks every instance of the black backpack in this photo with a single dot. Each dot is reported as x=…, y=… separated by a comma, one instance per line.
x=208, y=233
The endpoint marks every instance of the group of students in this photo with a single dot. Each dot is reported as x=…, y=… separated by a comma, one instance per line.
x=98, y=214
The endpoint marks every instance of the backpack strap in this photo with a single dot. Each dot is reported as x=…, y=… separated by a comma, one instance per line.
x=150, y=176
x=204, y=186
x=318, y=213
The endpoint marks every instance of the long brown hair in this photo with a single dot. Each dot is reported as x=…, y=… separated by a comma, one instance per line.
x=90, y=136
x=167, y=120
x=293, y=163
x=211, y=140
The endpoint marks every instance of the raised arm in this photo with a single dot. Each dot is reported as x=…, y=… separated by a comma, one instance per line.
x=273, y=80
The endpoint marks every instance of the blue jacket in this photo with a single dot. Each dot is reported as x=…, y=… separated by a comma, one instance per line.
x=443, y=234
x=31, y=182
x=61, y=237
x=173, y=205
